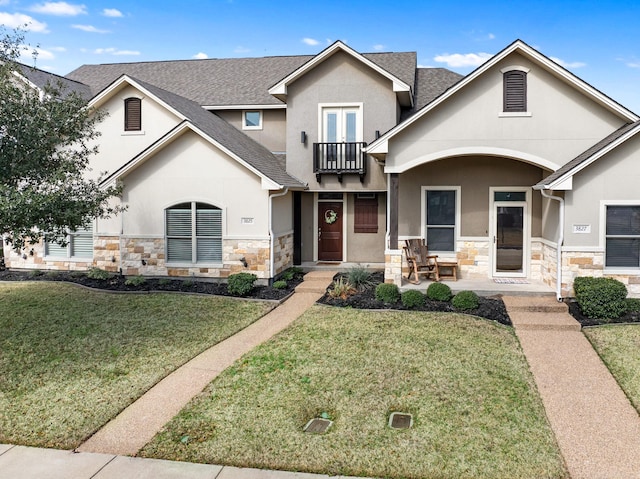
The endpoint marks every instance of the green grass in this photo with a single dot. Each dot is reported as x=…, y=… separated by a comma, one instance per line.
x=619, y=348
x=476, y=411
x=71, y=359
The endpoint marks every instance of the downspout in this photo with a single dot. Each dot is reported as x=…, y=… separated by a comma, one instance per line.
x=272, y=261
x=560, y=241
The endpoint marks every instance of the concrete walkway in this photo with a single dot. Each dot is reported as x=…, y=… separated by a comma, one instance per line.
x=134, y=427
x=596, y=427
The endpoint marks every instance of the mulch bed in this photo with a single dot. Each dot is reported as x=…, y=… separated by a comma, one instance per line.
x=576, y=312
x=491, y=308
x=117, y=283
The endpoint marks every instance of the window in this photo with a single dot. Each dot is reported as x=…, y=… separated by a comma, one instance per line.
x=133, y=114
x=622, y=248
x=440, y=224
x=252, y=120
x=194, y=233
x=515, y=91
x=79, y=245
x=366, y=214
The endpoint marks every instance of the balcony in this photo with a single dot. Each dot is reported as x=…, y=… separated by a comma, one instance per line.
x=339, y=159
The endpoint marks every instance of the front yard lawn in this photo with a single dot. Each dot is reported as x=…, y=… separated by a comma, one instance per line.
x=465, y=381
x=71, y=359
x=619, y=348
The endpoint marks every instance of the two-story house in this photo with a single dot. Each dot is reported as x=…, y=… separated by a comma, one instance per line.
x=519, y=169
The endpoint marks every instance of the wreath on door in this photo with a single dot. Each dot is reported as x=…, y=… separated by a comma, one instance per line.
x=330, y=217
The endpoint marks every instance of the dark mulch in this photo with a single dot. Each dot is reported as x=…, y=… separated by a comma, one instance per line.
x=491, y=308
x=117, y=283
x=576, y=312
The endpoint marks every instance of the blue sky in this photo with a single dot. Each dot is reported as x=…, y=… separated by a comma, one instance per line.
x=597, y=40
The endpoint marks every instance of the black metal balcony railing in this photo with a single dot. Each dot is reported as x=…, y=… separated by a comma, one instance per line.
x=339, y=159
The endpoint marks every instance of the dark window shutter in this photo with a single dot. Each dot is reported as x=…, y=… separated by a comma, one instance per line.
x=132, y=114
x=366, y=215
x=515, y=91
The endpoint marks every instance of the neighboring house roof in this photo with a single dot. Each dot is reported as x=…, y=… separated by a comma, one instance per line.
x=231, y=82
x=244, y=149
x=398, y=68
x=561, y=179
x=41, y=78
x=380, y=146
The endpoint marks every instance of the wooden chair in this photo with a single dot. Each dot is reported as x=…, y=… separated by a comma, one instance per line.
x=420, y=261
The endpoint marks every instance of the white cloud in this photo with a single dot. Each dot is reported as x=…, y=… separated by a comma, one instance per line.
x=310, y=41
x=457, y=60
x=62, y=9
x=27, y=54
x=58, y=49
x=89, y=28
x=112, y=12
x=5, y=2
x=241, y=49
x=200, y=56
x=568, y=64
x=114, y=51
x=491, y=36
x=378, y=47
x=19, y=20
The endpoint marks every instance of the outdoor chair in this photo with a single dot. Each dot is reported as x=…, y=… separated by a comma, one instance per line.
x=420, y=261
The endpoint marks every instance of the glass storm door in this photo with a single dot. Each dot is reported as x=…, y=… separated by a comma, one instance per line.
x=509, y=239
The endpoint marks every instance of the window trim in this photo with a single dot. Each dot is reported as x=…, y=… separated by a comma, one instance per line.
x=194, y=237
x=70, y=246
x=603, y=235
x=137, y=128
x=252, y=127
x=357, y=106
x=458, y=216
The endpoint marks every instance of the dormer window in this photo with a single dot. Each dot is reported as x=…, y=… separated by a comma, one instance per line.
x=133, y=114
x=515, y=90
x=252, y=120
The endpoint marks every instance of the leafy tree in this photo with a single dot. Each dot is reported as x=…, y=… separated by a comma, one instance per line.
x=46, y=140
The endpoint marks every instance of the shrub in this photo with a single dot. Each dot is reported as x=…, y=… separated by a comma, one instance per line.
x=280, y=284
x=439, y=292
x=135, y=281
x=465, y=300
x=412, y=299
x=600, y=298
x=387, y=293
x=341, y=288
x=187, y=284
x=633, y=305
x=241, y=284
x=34, y=273
x=164, y=281
x=97, y=273
x=360, y=278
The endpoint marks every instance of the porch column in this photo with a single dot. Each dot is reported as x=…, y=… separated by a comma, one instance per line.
x=393, y=211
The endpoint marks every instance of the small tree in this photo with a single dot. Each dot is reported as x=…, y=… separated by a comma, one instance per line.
x=46, y=140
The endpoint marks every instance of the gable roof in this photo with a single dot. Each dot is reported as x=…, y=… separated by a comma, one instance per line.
x=225, y=83
x=380, y=146
x=430, y=83
x=402, y=80
x=239, y=146
x=41, y=79
x=562, y=178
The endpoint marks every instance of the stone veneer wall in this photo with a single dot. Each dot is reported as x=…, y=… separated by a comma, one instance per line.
x=283, y=253
x=32, y=257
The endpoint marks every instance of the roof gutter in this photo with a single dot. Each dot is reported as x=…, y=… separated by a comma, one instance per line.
x=560, y=241
x=272, y=261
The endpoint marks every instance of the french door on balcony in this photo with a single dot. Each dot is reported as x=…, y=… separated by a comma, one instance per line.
x=341, y=125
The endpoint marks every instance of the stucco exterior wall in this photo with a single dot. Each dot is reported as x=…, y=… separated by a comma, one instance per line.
x=338, y=80
x=472, y=121
x=366, y=247
x=273, y=132
x=117, y=146
x=474, y=175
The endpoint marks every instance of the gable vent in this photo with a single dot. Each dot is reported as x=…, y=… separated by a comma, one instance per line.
x=515, y=91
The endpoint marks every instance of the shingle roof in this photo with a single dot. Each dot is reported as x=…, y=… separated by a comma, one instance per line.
x=232, y=81
x=430, y=83
x=41, y=79
x=586, y=155
x=227, y=135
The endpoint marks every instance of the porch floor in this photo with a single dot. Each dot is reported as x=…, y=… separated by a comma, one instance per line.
x=482, y=286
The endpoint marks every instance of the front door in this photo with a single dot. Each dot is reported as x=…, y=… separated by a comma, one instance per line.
x=330, y=231
x=509, y=238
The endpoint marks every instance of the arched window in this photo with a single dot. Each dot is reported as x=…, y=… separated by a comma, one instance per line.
x=515, y=91
x=193, y=233
x=133, y=114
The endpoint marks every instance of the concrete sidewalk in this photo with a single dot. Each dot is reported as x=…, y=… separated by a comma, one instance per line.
x=19, y=462
x=597, y=428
